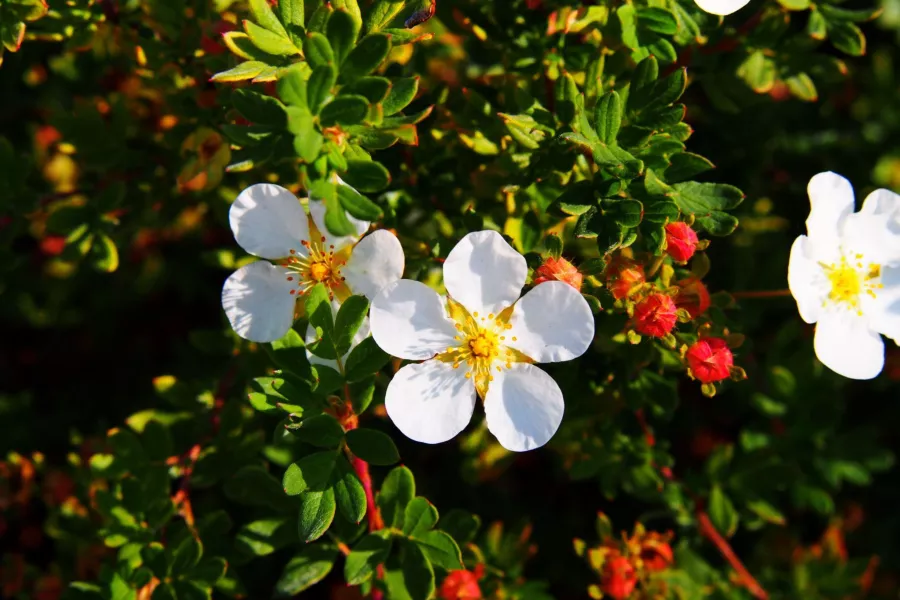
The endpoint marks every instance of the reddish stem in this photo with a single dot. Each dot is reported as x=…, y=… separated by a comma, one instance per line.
x=372, y=513
x=708, y=530
x=762, y=294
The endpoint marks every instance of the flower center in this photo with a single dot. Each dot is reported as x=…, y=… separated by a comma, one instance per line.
x=320, y=265
x=851, y=279
x=481, y=345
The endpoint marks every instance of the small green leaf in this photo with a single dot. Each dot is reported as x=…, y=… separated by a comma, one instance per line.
x=259, y=108
x=374, y=89
x=366, y=175
x=321, y=316
x=627, y=20
x=397, y=491
x=322, y=431
x=318, y=88
x=365, y=360
x=263, y=15
x=253, y=486
x=608, y=117
x=335, y=218
x=312, y=472
x=186, y=555
x=461, y=525
x=658, y=20
x=291, y=12
x=722, y=513
x=766, y=512
x=707, y=201
x=419, y=516
x=342, y=30
x=348, y=321
x=318, y=50
x=291, y=87
x=358, y=205
x=759, y=72
x=369, y=552
x=344, y=110
x=415, y=577
x=373, y=446
x=402, y=93
x=305, y=569
x=847, y=37
x=104, y=254
x=686, y=165
x=317, y=508
x=365, y=58
x=319, y=19
x=440, y=548
x=382, y=13
x=348, y=492
x=269, y=42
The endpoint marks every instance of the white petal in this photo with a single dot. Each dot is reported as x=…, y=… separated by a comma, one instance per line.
x=806, y=280
x=874, y=231
x=551, y=323
x=721, y=7
x=409, y=320
x=268, y=221
x=523, y=407
x=310, y=336
x=845, y=344
x=831, y=200
x=430, y=402
x=258, y=302
x=484, y=273
x=884, y=311
x=317, y=210
x=376, y=261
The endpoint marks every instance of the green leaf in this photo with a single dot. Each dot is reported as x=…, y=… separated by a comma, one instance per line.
x=358, y=205
x=657, y=20
x=321, y=316
x=335, y=218
x=318, y=50
x=263, y=15
x=292, y=12
x=365, y=58
x=835, y=13
x=627, y=20
x=289, y=353
x=317, y=508
x=318, y=88
x=186, y=555
x=352, y=8
x=608, y=117
x=668, y=90
x=189, y=590
x=322, y=431
x=157, y=441
x=369, y=552
x=419, y=516
x=440, y=548
x=766, y=512
x=253, y=486
x=348, y=492
x=312, y=472
x=348, y=321
x=461, y=525
x=706, y=201
x=722, y=513
x=626, y=213
x=342, y=30
x=576, y=199
x=373, y=446
x=642, y=83
x=847, y=37
x=319, y=18
x=210, y=570
x=156, y=559
x=265, y=536
x=415, y=577
x=397, y=491
x=403, y=91
x=365, y=360
x=104, y=253
x=382, y=13
x=268, y=42
x=366, y=175
x=758, y=71
x=291, y=87
x=802, y=87
x=308, y=141
x=374, y=89
x=305, y=569
x=164, y=591
x=259, y=108
x=686, y=165
x=344, y=110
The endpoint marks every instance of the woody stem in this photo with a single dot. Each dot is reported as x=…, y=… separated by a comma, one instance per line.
x=762, y=294
x=708, y=530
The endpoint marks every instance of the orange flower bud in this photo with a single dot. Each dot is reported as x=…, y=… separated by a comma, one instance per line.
x=460, y=585
x=559, y=269
x=622, y=277
x=655, y=315
x=692, y=296
x=656, y=553
x=619, y=577
x=681, y=241
x=709, y=360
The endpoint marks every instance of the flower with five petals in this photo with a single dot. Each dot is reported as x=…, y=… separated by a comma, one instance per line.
x=482, y=339
x=268, y=221
x=845, y=275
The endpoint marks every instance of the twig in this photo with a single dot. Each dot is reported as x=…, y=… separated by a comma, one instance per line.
x=761, y=294
x=708, y=530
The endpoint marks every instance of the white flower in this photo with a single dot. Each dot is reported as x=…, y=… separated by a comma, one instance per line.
x=845, y=275
x=269, y=221
x=721, y=7
x=481, y=339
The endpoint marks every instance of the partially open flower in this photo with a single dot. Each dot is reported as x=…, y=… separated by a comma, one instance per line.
x=619, y=577
x=655, y=552
x=461, y=585
x=681, y=241
x=623, y=277
x=655, y=315
x=269, y=221
x=559, y=269
x=692, y=296
x=482, y=340
x=709, y=360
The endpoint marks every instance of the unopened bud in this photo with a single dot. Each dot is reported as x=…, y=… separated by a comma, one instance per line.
x=710, y=360
x=655, y=315
x=681, y=241
x=559, y=269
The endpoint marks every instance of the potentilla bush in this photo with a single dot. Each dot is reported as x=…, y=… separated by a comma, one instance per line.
x=411, y=299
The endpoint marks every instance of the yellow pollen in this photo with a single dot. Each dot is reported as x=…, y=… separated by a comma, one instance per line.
x=849, y=281
x=320, y=271
x=483, y=344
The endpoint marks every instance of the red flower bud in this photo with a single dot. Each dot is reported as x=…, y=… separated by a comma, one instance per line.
x=656, y=553
x=692, y=296
x=655, y=315
x=53, y=245
x=619, y=578
x=460, y=585
x=622, y=277
x=681, y=241
x=558, y=269
x=710, y=360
